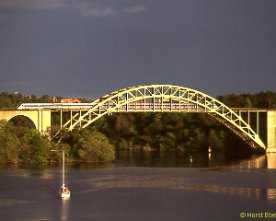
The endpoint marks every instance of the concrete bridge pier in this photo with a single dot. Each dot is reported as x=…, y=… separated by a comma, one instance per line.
x=271, y=132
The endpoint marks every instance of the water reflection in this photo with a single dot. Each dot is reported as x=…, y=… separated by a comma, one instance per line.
x=193, y=159
x=257, y=162
x=165, y=159
x=151, y=159
x=178, y=183
x=271, y=160
x=64, y=212
x=271, y=194
x=11, y=202
x=267, y=161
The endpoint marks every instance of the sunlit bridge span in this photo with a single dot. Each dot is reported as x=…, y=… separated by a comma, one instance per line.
x=153, y=98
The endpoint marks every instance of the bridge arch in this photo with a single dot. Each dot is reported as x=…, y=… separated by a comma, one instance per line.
x=40, y=118
x=164, y=98
x=21, y=120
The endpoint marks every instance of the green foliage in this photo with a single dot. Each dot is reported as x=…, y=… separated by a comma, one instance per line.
x=22, y=144
x=261, y=100
x=34, y=148
x=179, y=131
x=18, y=144
x=91, y=146
x=9, y=143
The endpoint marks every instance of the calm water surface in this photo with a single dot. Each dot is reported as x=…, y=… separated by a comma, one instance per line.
x=144, y=186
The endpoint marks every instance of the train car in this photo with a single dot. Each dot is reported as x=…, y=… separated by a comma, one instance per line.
x=36, y=106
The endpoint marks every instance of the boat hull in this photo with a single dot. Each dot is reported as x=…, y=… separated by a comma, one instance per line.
x=65, y=195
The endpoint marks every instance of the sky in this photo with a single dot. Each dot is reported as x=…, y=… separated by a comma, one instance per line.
x=88, y=48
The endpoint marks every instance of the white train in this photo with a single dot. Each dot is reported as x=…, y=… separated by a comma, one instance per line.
x=52, y=106
x=77, y=106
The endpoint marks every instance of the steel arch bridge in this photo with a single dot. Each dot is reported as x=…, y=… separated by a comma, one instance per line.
x=163, y=98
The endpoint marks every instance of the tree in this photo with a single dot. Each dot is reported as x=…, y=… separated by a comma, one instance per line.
x=122, y=125
x=35, y=148
x=9, y=143
x=94, y=146
x=248, y=102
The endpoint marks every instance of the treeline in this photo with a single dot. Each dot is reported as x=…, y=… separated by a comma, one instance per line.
x=13, y=100
x=260, y=100
x=20, y=144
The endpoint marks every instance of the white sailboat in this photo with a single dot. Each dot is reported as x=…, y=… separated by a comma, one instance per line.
x=64, y=190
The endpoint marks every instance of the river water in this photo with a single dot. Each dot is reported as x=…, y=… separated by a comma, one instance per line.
x=143, y=186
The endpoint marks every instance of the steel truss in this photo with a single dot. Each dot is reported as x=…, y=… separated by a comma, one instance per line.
x=163, y=98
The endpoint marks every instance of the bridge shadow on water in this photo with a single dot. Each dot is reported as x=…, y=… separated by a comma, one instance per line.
x=179, y=159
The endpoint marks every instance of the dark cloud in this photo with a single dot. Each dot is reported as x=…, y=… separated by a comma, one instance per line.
x=89, y=48
x=33, y=4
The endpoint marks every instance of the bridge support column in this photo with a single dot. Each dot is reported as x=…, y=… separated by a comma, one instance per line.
x=271, y=131
x=43, y=121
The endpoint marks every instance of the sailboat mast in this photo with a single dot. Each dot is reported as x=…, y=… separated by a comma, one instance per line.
x=63, y=168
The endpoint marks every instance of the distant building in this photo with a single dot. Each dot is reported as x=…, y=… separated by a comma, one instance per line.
x=70, y=100
x=54, y=99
